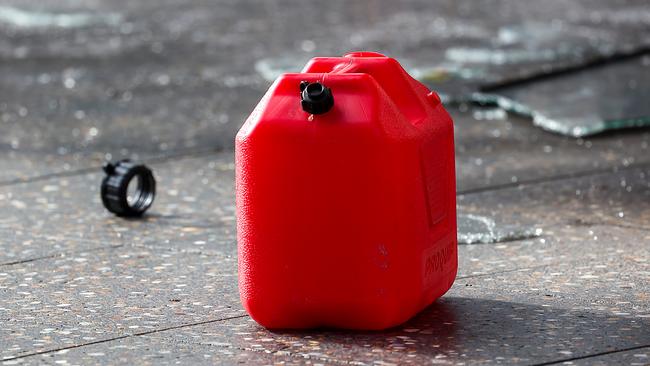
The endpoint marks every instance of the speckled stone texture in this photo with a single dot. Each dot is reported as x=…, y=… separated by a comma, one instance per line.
x=169, y=83
x=111, y=289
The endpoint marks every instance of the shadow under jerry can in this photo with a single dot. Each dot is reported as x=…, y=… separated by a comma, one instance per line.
x=346, y=197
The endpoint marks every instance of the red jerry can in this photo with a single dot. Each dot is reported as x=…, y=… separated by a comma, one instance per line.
x=346, y=197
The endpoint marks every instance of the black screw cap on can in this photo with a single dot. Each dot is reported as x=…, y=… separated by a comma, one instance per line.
x=316, y=98
x=115, y=188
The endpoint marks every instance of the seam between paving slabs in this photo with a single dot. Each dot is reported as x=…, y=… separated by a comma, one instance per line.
x=89, y=250
x=138, y=334
x=60, y=254
x=520, y=269
x=64, y=252
x=551, y=263
x=591, y=356
x=563, y=360
x=470, y=191
x=282, y=352
x=613, y=224
x=553, y=178
x=595, y=62
x=94, y=169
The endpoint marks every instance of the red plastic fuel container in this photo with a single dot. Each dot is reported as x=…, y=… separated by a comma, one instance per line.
x=346, y=197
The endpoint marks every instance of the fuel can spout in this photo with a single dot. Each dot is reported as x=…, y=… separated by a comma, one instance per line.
x=316, y=98
x=346, y=197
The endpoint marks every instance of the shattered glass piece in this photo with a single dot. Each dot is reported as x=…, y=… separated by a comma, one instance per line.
x=272, y=68
x=39, y=19
x=451, y=81
x=582, y=103
x=507, y=50
x=539, y=39
x=578, y=104
x=475, y=229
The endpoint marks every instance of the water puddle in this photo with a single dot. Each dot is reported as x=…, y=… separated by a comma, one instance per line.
x=475, y=229
x=37, y=19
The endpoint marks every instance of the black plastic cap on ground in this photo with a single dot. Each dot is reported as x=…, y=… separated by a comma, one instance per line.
x=114, y=189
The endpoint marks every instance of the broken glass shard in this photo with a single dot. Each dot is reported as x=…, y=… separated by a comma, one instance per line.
x=476, y=229
x=272, y=68
x=582, y=103
x=39, y=19
x=577, y=104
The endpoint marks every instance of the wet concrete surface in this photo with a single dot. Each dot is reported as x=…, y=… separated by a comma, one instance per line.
x=177, y=268
x=187, y=70
x=471, y=328
x=169, y=83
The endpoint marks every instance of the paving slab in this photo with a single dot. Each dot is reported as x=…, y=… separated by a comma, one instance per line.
x=610, y=284
x=117, y=114
x=466, y=326
x=26, y=246
x=20, y=166
x=89, y=124
x=506, y=321
x=560, y=311
x=102, y=294
x=562, y=246
x=636, y=357
x=494, y=149
x=194, y=205
x=618, y=198
x=157, y=351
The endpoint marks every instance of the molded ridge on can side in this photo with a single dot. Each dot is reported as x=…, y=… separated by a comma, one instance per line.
x=346, y=208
